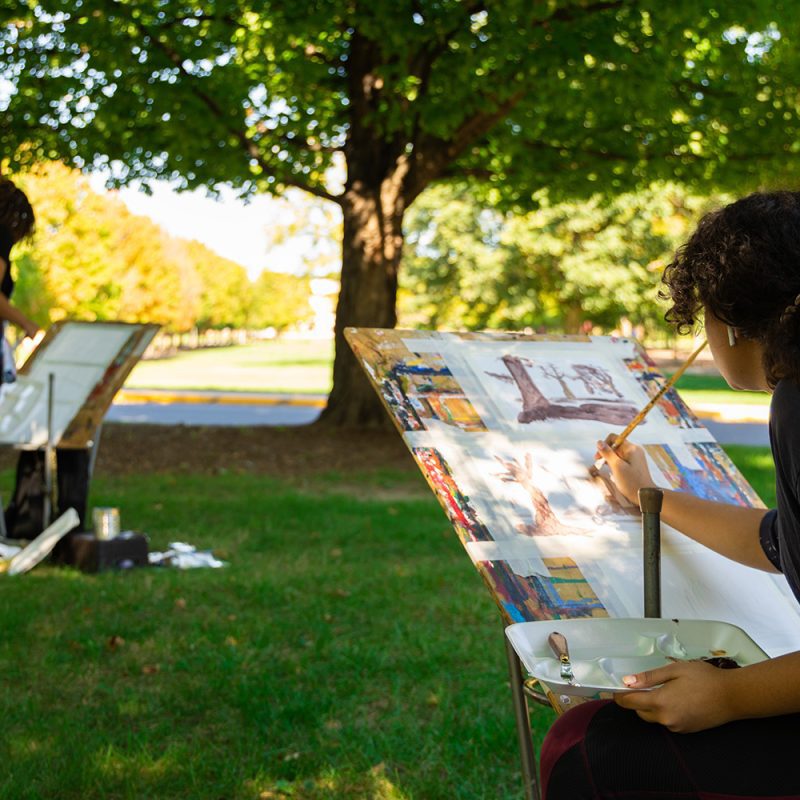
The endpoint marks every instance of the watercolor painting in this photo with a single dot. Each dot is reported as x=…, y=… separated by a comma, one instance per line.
x=671, y=406
x=594, y=495
x=418, y=389
x=455, y=504
x=504, y=428
x=548, y=390
x=562, y=593
x=709, y=473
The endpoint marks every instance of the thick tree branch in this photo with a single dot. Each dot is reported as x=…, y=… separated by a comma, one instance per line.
x=480, y=124
x=421, y=64
x=432, y=155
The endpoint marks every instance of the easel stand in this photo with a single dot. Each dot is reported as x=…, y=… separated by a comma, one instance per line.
x=49, y=480
x=48, y=501
x=650, y=502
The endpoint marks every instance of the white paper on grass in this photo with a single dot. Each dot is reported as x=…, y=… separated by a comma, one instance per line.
x=41, y=546
x=605, y=544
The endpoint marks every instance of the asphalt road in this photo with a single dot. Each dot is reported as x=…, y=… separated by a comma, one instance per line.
x=242, y=415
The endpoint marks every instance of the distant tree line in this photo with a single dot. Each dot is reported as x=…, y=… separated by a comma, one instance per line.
x=92, y=259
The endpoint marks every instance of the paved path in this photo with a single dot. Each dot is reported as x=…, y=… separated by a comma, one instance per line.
x=752, y=433
x=212, y=414
x=729, y=424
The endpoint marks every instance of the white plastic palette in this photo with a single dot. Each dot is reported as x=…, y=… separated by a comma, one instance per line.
x=603, y=650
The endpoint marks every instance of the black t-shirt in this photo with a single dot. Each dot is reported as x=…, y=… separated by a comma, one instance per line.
x=6, y=243
x=780, y=528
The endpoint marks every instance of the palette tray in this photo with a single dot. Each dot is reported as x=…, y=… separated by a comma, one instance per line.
x=602, y=651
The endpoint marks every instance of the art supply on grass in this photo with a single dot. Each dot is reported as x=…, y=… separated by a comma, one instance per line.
x=40, y=547
x=185, y=556
x=616, y=440
x=125, y=551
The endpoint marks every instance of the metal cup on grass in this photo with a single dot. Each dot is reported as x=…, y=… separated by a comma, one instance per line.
x=105, y=522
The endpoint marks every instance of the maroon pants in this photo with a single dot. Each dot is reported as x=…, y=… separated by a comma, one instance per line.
x=599, y=751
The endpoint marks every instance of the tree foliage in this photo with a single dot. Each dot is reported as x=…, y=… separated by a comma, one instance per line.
x=284, y=301
x=602, y=92
x=558, y=266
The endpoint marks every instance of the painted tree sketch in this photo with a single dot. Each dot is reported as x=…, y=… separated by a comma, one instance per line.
x=603, y=501
x=585, y=391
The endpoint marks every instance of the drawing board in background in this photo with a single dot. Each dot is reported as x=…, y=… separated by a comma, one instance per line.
x=89, y=361
x=504, y=426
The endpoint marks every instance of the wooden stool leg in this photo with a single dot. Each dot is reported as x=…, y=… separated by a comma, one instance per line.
x=523, y=721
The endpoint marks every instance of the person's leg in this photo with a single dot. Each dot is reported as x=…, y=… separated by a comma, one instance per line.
x=72, y=480
x=563, y=768
x=24, y=516
x=600, y=751
x=752, y=758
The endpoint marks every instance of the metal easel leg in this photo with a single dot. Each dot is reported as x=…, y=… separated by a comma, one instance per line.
x=49, y=458
x=524, y=735
x=650, y=501
x=94, y=447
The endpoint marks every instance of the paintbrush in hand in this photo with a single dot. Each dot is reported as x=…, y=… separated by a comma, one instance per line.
x=616, y=440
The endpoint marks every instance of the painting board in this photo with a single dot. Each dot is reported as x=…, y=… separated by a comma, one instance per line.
x=90, y=362
x=504, y=426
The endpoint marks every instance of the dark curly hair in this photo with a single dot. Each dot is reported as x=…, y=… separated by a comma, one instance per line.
x=16, y=213
x=742, y=264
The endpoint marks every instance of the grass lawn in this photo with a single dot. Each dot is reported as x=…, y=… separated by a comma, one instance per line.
x=275, y=366
x=350, y=650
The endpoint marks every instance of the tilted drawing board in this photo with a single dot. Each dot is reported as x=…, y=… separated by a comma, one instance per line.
x=504, y=427
x=89, y=361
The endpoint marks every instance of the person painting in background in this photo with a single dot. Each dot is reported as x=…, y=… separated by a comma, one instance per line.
x=16, y=223
x=24, y=515
x=700, y=731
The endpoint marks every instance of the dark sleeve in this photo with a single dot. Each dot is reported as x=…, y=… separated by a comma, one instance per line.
x=6, y=242
x=768, y=535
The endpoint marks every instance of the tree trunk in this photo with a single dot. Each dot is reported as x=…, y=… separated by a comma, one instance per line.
x=372, y=241
x=573, y=318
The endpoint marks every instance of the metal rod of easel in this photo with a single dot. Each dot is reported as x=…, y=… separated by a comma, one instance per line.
x=49, y=456
x=523, y=724
x=650, y=502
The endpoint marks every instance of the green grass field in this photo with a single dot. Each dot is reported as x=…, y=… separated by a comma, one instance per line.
x=274, y=366
x=350, y=650
x=714, y=389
